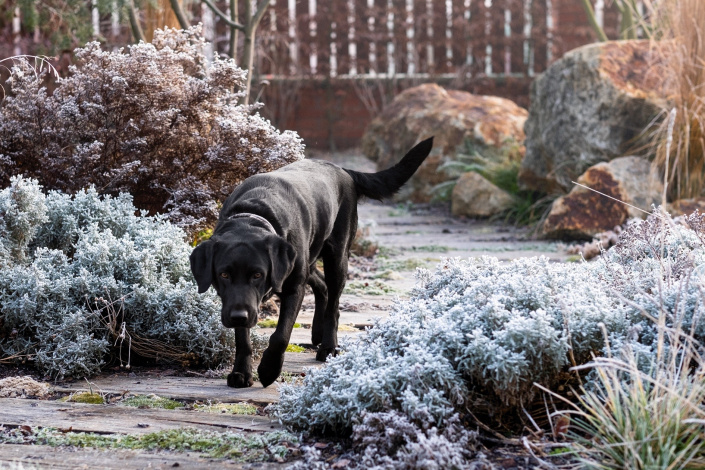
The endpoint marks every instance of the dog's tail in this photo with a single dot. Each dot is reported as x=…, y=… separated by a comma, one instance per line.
x=386, y=183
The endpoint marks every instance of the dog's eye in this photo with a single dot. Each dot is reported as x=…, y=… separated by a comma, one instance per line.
x=224, y=275
x=257, y=276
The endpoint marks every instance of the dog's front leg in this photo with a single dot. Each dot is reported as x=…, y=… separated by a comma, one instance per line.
x=273, y=357
x=241, y=376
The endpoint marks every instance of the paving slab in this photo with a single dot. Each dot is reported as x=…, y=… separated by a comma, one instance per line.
x=42, y=457
x=119, y=419
x=193, y=388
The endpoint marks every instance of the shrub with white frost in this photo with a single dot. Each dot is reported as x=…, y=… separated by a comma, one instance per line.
x=156, y=120
x=477, y=334
x=390, y=441
x=83, y=276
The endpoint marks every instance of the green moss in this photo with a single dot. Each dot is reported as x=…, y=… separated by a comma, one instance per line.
x=387, y=252
x=574, y=259
x=561, y=451
x=241, y=448
x=407, y=264
x=295, y=348
x=85, y=397
x=272, y=323
x=401, y=209
x=350, y=327
x=227, y=408
x=152, y=401
x=369, y=288
x=388, y=275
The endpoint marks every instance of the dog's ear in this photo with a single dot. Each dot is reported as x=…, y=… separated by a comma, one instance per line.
x=202, y=265
x=282, y=256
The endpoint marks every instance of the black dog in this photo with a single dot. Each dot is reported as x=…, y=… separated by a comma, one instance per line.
x=270, y=233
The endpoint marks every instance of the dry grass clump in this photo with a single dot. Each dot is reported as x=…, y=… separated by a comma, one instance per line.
x=679, y=141
x=641, y=419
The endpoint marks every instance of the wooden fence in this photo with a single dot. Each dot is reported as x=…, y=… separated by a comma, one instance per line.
x=328, y=52
x=334, y=38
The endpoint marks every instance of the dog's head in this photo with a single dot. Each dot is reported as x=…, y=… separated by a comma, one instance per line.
x=242, y=270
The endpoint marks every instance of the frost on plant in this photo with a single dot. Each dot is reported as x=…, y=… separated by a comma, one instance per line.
x=390, y=441
x=656, y=269
x=82, y=276
x=475, y=334
x=155, y=120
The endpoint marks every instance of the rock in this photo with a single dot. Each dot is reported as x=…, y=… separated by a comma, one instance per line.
x=588, y=107
x=686, y=206
x=462, y=123
x=474, y=196
x=581, y=214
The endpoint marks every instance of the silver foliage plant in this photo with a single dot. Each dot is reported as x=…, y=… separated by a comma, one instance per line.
x=76, y=270
x=477, y=334
x=389, y=440
x=156, y=120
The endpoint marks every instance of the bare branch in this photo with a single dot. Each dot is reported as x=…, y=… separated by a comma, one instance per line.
x=261, y=8
x=180, y=15
x=137, y=32
x=223, y=16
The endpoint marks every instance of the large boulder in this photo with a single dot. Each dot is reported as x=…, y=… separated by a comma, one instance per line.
x=582, y=213
x=590, y=106
x=462, y=124
x=474, y=196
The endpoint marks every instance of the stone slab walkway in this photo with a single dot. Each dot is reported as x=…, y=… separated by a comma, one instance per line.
x=407, y=236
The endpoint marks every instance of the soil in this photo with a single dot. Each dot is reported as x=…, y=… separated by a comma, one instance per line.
x=401, y=239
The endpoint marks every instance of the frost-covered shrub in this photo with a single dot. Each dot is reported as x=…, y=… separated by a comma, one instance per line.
x=656, y=270
x=474, y=332
x=83, y=275
x=478, y=334
x=390, y=441
x=156, y=121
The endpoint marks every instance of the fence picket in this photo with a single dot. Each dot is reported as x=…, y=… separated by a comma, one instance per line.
x=304, y=37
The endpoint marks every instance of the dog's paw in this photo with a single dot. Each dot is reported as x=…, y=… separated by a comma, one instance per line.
x=270, y=367
x=239, y=380
x=323, y=353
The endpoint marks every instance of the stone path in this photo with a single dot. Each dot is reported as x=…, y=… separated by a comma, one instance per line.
x=407, y=236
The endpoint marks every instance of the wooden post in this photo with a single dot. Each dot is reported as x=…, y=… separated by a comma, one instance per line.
x=16, y=31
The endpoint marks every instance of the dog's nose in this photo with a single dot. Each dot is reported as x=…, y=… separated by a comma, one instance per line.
x=238, y=317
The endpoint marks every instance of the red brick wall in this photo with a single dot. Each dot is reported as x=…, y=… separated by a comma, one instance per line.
x=328, y=113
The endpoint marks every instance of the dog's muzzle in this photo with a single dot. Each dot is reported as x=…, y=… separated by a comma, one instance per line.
x=236, y=318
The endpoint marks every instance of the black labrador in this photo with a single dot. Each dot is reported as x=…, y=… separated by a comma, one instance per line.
x=271, y=231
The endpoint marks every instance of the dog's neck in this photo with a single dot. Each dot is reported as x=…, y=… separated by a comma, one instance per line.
x=266, y=223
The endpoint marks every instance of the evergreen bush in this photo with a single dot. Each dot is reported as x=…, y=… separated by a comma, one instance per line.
x=84, y=276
